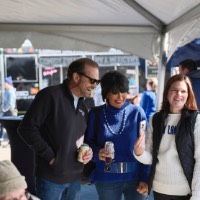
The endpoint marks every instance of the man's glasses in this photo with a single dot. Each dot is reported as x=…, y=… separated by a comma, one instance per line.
x=92, y=80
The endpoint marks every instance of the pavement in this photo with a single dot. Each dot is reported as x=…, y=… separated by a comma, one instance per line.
x=88, y=192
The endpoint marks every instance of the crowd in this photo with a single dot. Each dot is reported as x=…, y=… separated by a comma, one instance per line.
x=160, y=163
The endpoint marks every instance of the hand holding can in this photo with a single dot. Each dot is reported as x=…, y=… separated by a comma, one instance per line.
x=82, y=151
x=109, y=146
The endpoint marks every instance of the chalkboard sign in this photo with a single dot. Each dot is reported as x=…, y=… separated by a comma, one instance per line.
x=21, y=68
x=151, y=69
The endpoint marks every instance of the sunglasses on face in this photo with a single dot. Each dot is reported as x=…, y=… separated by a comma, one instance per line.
x=92, y=80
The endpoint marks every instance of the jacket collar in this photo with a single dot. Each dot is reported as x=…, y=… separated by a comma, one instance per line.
x=65, y=85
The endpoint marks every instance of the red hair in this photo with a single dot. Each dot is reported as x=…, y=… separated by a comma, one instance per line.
x=191, y=101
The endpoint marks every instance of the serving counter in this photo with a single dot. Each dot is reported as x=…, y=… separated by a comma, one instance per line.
x=21, y=155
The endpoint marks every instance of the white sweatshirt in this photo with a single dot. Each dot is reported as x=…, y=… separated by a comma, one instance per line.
x=169, y=177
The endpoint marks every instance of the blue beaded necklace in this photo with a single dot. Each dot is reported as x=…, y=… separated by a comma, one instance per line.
x=123, y=122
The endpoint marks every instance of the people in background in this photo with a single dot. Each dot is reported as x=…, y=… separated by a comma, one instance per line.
x=189, y=67
x=116, y=121
x=12, y=183
x=8, y=105
x=136, y=100
x=54, y=127
x=148, y=100
x=9, y=98
x=97, y=96
x=173, y=144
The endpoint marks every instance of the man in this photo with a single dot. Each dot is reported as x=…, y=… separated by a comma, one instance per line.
x=189, y=67
x=9, y=98
x=8, y=103
x=54, y=128
x=12, y=183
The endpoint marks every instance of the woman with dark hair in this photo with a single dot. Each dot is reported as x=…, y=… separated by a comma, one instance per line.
x=173, y=144
x=117, y=121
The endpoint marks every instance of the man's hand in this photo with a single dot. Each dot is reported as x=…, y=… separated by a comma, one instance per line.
x=88, y=156
x=52, y=161
x=139, y=145
x=143, y=188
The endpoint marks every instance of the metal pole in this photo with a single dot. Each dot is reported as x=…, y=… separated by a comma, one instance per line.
x=161, y=73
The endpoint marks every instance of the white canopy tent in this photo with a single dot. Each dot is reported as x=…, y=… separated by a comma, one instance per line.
x=142, y=28
x=132, y=26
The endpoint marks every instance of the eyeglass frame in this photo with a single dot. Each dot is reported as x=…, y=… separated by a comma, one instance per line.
x=92, y=80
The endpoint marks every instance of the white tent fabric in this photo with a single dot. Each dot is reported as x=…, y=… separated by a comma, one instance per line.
x=132, y=26
x=139, y=27
x=44, y=40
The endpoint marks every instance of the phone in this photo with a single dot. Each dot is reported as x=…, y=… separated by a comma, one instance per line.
x=142, y=127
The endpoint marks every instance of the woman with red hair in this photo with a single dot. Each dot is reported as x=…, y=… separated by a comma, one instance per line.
x=173, y=144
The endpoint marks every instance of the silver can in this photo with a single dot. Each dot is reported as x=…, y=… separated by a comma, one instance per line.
x=82, y=151
x=109, y=146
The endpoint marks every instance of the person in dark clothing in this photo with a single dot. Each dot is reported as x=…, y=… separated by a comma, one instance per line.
x=189, y=67
x=173, y=144
x=54, y=127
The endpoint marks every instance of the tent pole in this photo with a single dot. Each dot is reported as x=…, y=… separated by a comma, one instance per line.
x=161, y=73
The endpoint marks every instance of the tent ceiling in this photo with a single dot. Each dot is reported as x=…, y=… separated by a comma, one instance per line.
x=169, y=10
x=132, y=26
x=96, y=12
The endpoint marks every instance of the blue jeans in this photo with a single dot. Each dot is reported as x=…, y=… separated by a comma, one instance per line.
x=159, y=196
x=47, y=190
x=110, y=190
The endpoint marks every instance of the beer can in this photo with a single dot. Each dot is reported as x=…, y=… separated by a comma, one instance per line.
x=109, y=146
x=82, y=152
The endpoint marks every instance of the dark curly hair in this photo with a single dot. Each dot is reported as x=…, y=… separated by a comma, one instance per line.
x=114, y=82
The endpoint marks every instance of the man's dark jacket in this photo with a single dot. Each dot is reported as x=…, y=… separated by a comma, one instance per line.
x=184, y=141
x=52, y=127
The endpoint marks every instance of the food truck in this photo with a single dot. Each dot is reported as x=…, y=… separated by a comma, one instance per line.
x=41, y=68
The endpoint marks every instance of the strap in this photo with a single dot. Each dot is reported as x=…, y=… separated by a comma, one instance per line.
x=96, y=119
x=158, y=130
